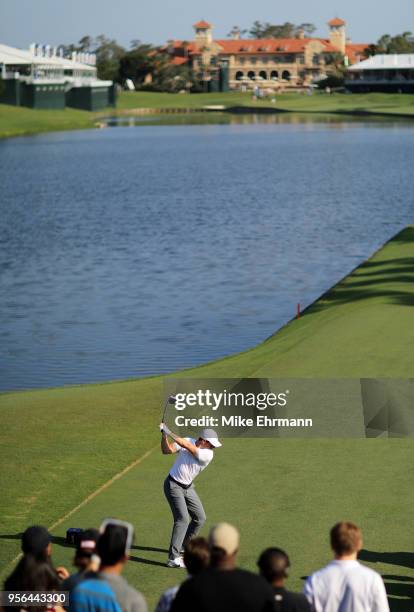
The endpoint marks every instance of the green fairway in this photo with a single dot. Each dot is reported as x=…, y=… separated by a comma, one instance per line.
x=61, y=445
x=18, y=121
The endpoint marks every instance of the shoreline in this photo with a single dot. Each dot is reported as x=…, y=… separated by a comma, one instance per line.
x=94, y=124
x=332, y=299
x=250, y=110
x=22, y=121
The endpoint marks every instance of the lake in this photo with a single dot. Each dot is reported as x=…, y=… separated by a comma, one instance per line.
x=142, y=249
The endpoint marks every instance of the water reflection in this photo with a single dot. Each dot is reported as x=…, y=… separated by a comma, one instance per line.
x=219, y=118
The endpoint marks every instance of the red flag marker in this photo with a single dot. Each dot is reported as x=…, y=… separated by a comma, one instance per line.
x=298, y=315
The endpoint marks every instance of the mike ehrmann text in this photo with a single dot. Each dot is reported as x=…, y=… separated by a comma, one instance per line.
x=260, y=420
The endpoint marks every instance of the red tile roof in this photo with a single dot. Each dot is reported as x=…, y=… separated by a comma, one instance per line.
x=179, y=61
x=179, y=44
x=202, y=24
x=329, y=47
x=336, y=22
x=353, y=50
x=262, y=46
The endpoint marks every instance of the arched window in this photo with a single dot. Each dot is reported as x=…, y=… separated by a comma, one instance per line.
x=263, y=74
x=239, y=75
x=286, y=75
x=251, y=75
x=274, y=75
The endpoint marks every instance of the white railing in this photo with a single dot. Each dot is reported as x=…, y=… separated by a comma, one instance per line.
x=42, y=78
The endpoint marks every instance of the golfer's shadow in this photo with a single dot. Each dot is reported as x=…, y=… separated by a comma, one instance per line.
x=404, y=559
x=147, y=549
x=61, y=541
x=400, y=589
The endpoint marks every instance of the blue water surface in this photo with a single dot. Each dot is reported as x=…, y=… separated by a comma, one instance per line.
x=141, y=250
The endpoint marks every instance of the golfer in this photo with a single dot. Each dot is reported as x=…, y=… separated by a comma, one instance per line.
x=186, y=507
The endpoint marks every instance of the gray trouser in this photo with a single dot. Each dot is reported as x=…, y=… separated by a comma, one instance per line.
x=188, y=513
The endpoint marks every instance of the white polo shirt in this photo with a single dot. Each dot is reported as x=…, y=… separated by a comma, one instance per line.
x=186, y=466
x=342, y=586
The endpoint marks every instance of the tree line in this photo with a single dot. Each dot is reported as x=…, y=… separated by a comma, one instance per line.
x=116, y=63
x=401, y=43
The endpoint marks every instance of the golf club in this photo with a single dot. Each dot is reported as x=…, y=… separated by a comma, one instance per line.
x=170, y=400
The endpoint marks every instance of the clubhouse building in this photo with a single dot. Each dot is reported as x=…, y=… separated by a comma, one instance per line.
x=42, y=78
x=284, y=63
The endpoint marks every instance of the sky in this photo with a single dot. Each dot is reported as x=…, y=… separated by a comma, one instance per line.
x=65, y=21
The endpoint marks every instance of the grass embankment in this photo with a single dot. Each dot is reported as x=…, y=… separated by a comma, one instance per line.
x=18, y=121
x=59, y=445
x=294, y=102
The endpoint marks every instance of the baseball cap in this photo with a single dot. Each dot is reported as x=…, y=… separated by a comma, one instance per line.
x=35, y=540
x=87, y=543
x=225, y=536
x=211, y=436
x=115, y=540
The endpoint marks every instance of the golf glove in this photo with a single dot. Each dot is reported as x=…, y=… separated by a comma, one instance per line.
x=164, y=429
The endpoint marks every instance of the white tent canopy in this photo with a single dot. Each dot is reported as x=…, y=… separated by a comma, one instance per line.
x=15, y=57
x=20, y=57
x=385, y=62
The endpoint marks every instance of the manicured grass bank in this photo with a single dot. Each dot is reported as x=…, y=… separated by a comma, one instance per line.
x=59, y=445
x=318, y=102
x=18, y=121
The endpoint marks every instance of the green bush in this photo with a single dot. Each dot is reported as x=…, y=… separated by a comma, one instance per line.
x=331, y=81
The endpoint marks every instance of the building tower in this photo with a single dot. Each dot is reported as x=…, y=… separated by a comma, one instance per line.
x=337, y=36
x=203, y=34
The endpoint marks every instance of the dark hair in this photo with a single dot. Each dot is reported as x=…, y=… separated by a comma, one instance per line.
x=32, y=574
x=35, y=541
x=346, y=538
x=196, y=555
x=217, y=555
x=273, y=564
x=111, y=546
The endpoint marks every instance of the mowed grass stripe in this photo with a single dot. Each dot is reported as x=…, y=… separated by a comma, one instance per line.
x=102, y=488
x=92, y=495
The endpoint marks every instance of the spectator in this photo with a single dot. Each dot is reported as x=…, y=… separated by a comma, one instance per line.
x=223, y=587
x=274, y=564
x=85, y=559
x=34, y=571
x=196, y=559
x=344, y=584
x=108, y=591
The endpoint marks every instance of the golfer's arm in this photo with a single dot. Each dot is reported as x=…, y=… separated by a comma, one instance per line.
x=192, y=448
x=166, y=447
